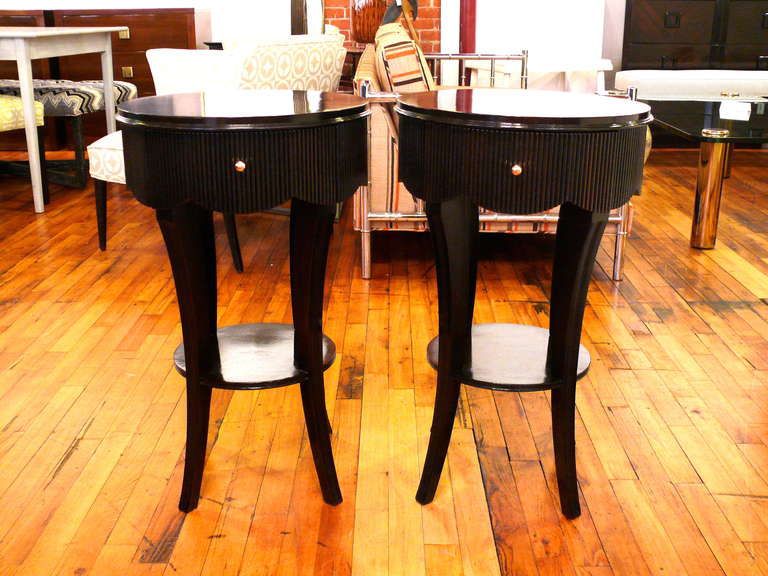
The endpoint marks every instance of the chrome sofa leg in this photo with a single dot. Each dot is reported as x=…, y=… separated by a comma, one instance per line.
x=622, y=229
x=618, y=256
x=365, y=243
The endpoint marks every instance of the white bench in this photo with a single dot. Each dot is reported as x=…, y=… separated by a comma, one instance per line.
x=694, y=84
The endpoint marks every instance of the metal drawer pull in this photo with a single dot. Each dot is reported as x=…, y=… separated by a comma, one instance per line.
x=127, y=71
x=517, y=170
x=124, y=34
x=765, y=20
x=240, y=166
x=671, y=19
x=668, y=62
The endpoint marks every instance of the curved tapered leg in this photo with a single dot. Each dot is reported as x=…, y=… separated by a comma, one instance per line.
x=188, y=234
x=311, y=227
x=234, y=242
x=578, y=238
x=100, y=193
x=453, y=227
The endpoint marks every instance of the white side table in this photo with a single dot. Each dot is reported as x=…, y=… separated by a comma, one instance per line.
x=25, y=44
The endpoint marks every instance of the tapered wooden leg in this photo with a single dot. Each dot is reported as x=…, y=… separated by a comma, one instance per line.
x=234, y=241
x=188, y=234
x=100, y=193
x=311, y=227
x=578, y=237
x=43, y=168
x=453, y=227
x=80, y=176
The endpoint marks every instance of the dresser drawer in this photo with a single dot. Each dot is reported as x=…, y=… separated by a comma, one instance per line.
x=669, y=21
x=88, y=67
x=748, y=22
x=746, y=57
x=171, y=28
x=665, y=56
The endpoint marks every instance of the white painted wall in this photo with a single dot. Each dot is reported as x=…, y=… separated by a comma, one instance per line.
x=613, y=35
x=552, y=30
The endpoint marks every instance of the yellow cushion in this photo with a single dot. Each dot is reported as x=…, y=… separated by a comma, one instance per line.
x=400, y=63
x=12, y=113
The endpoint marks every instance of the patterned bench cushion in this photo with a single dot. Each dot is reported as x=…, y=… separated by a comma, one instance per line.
x=70, y=98
x=105, y=158
x=12, y=113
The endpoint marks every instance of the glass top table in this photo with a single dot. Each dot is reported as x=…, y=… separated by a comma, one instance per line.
x=704, y=122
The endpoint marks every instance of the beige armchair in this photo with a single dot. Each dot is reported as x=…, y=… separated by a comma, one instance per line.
x=386, y=204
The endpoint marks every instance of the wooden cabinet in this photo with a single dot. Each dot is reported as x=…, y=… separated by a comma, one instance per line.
x=685, y=34
x=746, y=36
x=153, y=28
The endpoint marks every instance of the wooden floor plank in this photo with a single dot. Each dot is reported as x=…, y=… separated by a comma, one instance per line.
x=672, y=422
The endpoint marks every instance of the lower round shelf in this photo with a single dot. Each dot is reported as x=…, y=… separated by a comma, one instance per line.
x=255, y=356
x=509, y=357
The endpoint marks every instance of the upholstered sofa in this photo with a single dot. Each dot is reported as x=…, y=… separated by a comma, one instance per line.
x=385, y=204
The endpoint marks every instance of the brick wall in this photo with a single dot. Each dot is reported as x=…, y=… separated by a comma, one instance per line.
x=337, y=13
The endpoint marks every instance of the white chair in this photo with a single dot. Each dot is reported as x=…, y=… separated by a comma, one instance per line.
x=173, y=71
x=302, y=62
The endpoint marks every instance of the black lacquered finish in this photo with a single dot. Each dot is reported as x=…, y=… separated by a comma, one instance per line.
x=190, y=154
x=516, y=152
x=290, y=150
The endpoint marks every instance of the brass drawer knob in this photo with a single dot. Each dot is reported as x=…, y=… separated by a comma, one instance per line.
x=124, y=34
x=126, y=71
x=240, y=166
x=517, y=170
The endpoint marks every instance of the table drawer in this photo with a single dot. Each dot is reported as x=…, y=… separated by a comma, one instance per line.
x=146, y=29
x=748, y=22
x=665, y=56
x=683, y=21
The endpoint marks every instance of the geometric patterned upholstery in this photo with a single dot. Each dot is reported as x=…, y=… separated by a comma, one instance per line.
x=106, y=158
x=70, y=98
x=302, y=62
x=12, y=113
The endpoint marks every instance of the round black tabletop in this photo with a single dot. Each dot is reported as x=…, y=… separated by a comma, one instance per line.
x=522, y=151
x=525, y=109
x=242, y=109
x=241, y=151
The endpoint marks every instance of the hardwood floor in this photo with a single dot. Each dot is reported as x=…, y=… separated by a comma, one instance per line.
x=672, y=426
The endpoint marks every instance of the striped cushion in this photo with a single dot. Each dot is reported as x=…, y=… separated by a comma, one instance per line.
x=12, y=113
x=400, y=63
x=70, y=98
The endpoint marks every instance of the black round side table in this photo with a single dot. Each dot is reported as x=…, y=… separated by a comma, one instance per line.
x=517, y=152
x=187, y=155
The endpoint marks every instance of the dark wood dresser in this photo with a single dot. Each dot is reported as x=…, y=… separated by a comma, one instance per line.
x=151, y=28
x=686, y=34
